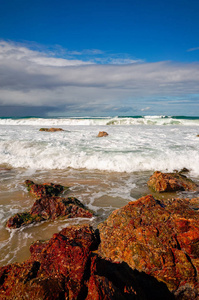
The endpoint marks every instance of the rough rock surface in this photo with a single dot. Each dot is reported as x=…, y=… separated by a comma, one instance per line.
x=169, y=182
x=65, y=268
x=50, y=208
x=55, y=269
x=160, y=238
x=51, y=129
x=46, y=189
x=102, y=133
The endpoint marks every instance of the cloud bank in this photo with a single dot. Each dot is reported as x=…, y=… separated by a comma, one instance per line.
x=32, y=78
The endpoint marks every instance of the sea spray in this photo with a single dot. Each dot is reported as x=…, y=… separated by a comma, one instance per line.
x=127, y=148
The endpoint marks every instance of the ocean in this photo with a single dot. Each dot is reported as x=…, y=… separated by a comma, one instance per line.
x=104, y=173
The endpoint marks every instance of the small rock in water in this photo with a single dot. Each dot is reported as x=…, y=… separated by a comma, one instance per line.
x=45, y=189
x=169, y=182
x=102, y=133
x=51, y=129
x=48, y=206
x=184, y=170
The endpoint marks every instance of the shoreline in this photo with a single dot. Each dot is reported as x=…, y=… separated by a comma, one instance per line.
x=100, y=191
x=134, y=233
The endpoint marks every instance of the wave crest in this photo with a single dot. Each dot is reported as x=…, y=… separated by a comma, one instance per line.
x=109, y=121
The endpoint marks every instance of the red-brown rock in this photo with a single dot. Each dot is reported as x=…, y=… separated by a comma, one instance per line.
x=102, y=133
x=160, y=238
x=110, y=280
x=51, y=129
x=45, y=189
x=65, y=268
x=50, y=208
x=55, y=269
x=171, y=182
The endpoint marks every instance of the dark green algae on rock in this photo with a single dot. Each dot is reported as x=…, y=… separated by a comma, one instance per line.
x=45, y=189
x=50, y=208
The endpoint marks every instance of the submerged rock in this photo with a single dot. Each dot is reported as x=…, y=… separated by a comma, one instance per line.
x=184, y=170
x=46, y=189
x=66, y=268
x=51, y=129
x=160, y=238
x=50, y=208
x=102, y=133
x=169, y=182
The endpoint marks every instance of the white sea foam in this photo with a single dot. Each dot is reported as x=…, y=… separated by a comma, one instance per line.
x=145, y=120
x=125, y=149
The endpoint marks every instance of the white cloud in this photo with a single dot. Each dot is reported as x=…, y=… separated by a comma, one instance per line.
x=86, y=52
x=146, y=108
x=29, y=77
x=193, y=49
x=11, y=51
x=116, y=61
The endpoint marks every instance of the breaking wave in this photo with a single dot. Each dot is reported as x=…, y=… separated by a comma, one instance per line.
x=134, y=120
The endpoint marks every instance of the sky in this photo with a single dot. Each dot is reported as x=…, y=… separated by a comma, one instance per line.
x=99, y=58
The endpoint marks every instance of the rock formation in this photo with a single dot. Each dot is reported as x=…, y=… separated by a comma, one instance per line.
x=45, y=189
x=170, y=182
x=51, y=129
x=160, y=238
x=48, y=206
x=66, y=268
x=148, y=249
x=102, y=133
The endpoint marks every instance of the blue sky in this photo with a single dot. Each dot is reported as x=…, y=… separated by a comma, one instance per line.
x=77, y=58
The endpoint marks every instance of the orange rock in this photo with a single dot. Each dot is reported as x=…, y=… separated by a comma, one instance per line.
x=169, y=182
x=51, y=129
x=160, y=238
x=102, y=133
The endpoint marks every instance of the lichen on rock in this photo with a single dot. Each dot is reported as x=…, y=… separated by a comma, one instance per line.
x=160, y=238
x=169, y=182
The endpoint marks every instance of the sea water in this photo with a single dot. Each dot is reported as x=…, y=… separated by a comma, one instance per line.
x=104, y=173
